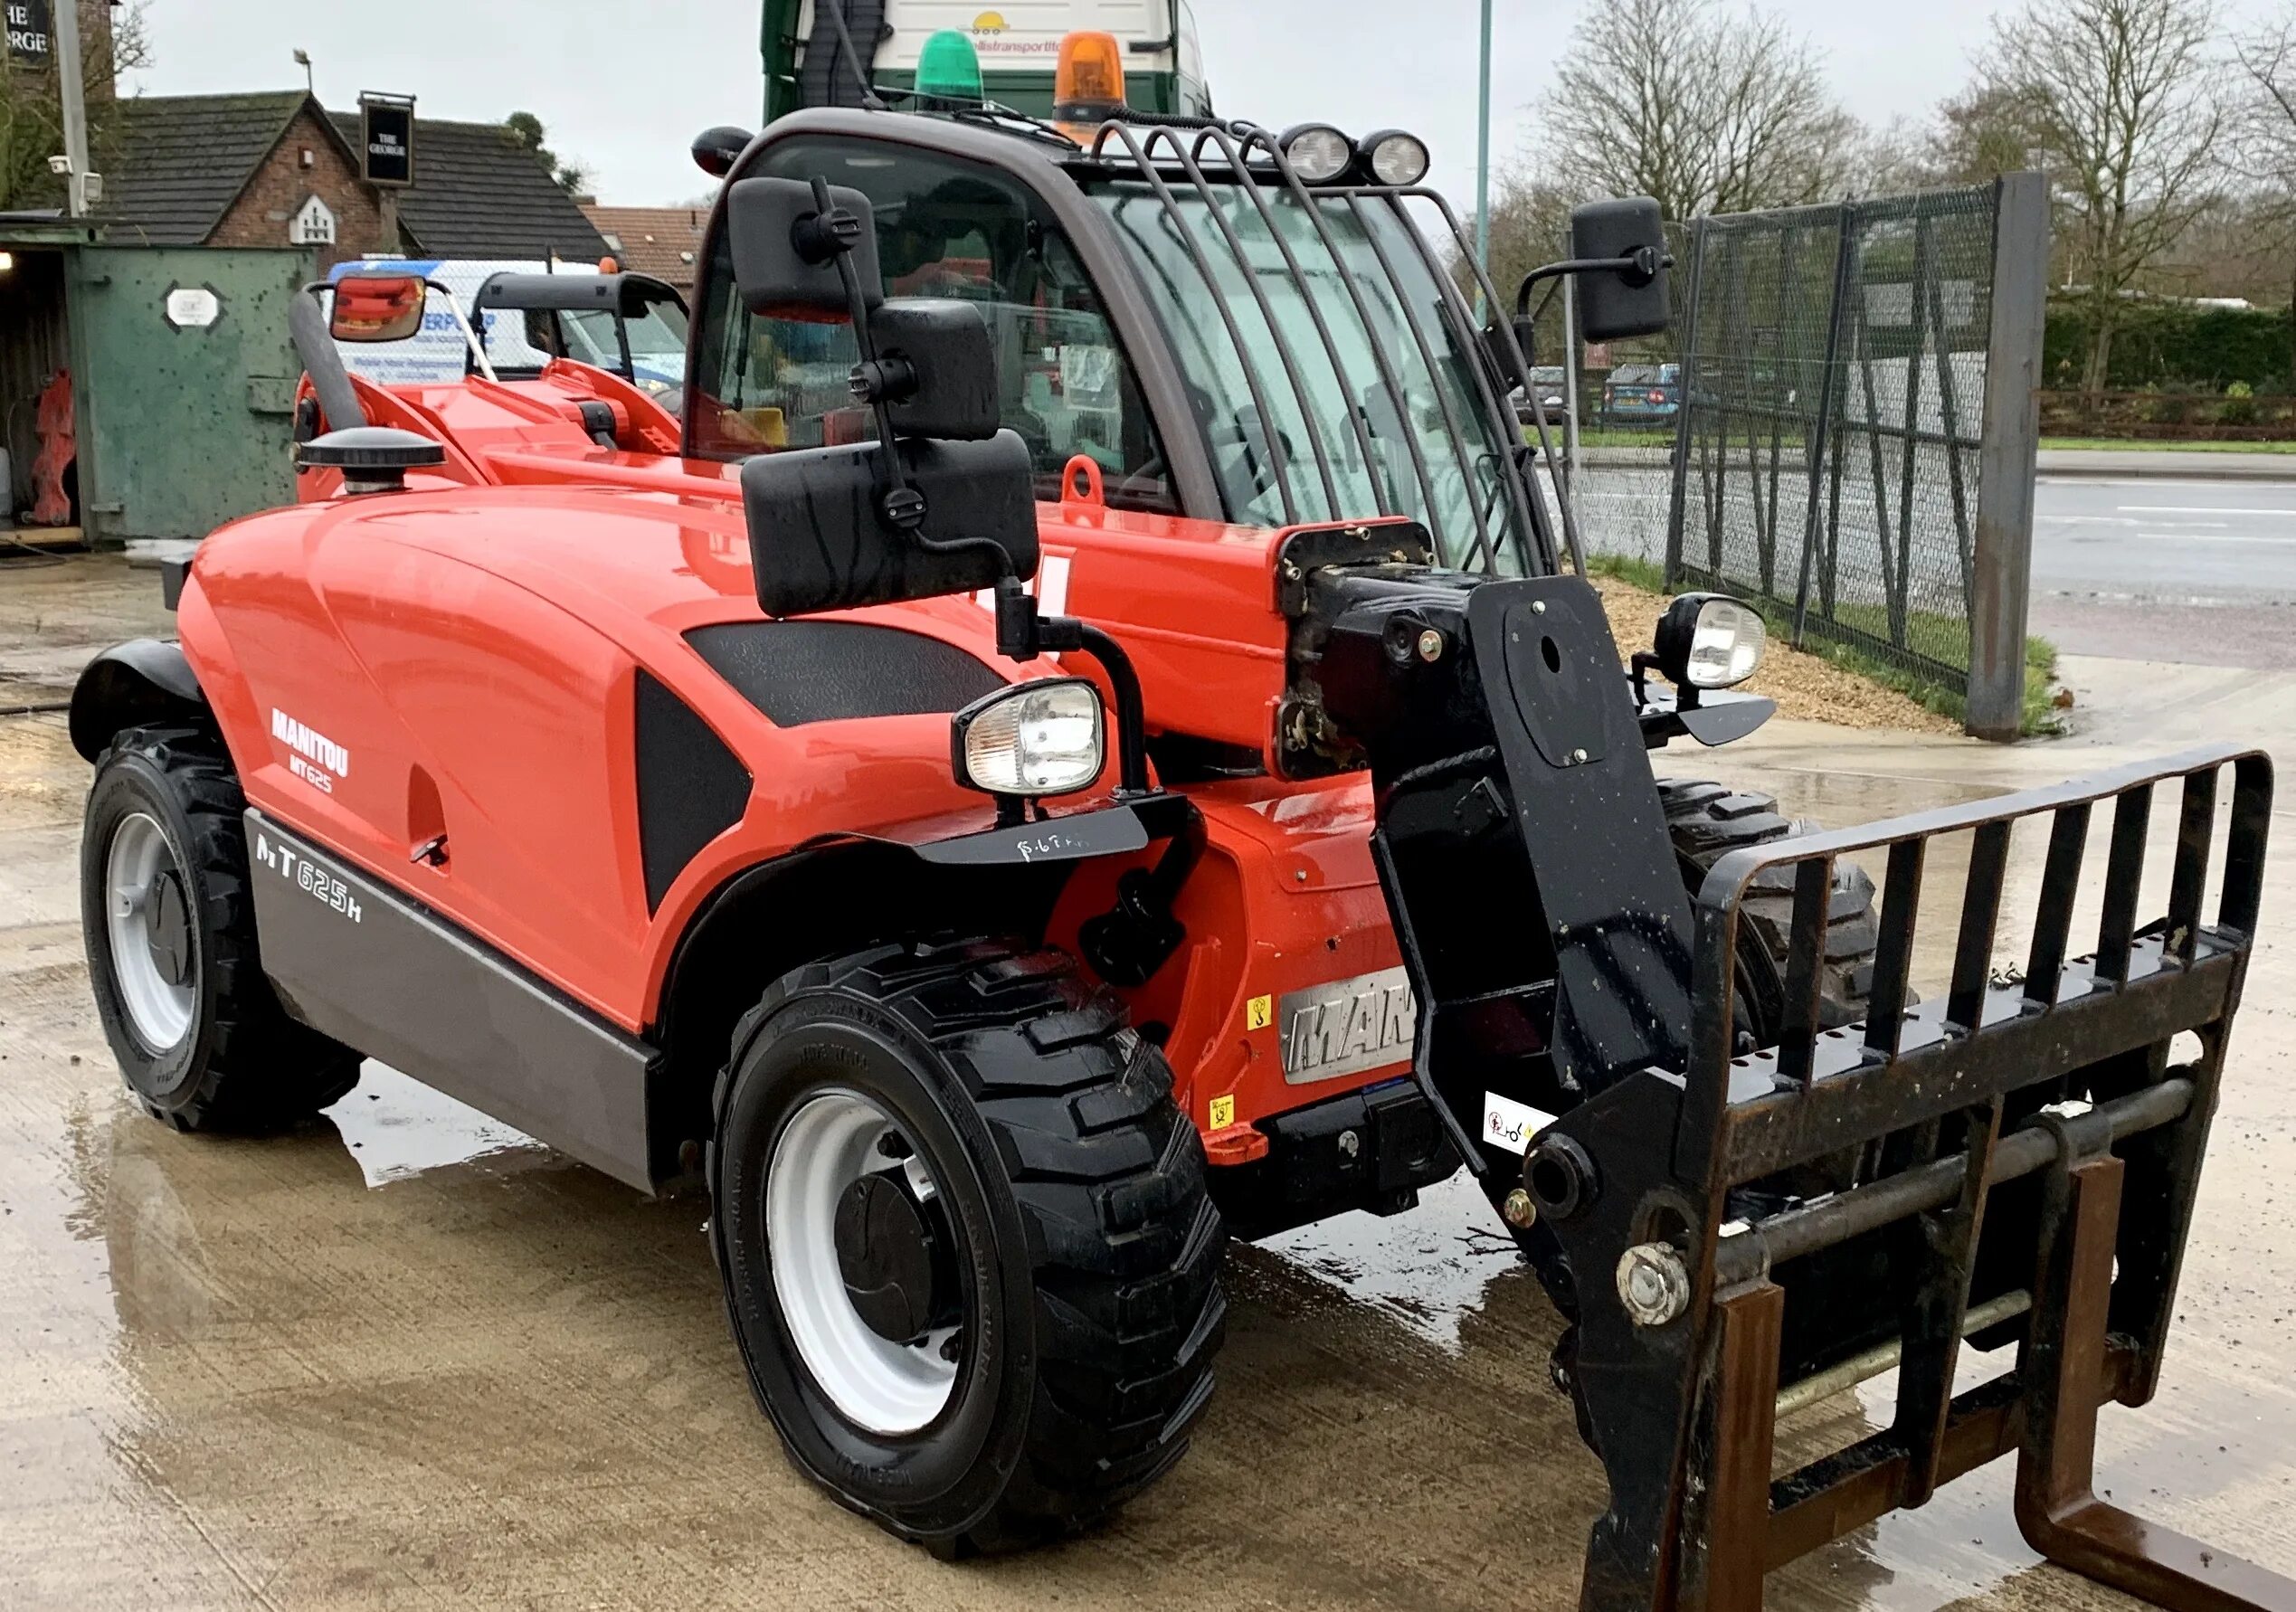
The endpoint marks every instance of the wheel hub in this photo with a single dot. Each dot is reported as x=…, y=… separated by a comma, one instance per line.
x=892, y=1258
x=149, y=934
x=867, y=1263
x=169, y=916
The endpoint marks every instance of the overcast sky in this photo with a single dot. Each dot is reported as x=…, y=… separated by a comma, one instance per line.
x=623, y=85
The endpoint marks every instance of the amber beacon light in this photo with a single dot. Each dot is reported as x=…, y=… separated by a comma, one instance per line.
x=1089, y=85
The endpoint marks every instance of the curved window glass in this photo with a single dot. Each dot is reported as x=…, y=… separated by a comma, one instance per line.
x=1376, y=410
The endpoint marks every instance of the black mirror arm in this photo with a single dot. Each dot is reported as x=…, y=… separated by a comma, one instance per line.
x=1023, y=635
x=1067, y=633
x=1639, y=267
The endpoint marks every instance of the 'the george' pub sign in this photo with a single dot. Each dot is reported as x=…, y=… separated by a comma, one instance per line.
x=386, y=140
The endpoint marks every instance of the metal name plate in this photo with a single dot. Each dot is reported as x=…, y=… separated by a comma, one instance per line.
x=1347, y=1027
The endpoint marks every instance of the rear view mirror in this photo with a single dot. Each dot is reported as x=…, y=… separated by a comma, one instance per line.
x=376, y=308
x=1630, y=298
x=952, y=386
x=785, y=263
x=943, y=501
x=819, y=537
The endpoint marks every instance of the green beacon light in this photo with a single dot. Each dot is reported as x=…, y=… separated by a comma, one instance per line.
x=950, y=68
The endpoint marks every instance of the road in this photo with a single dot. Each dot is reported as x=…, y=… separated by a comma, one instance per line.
x=406, y=1358
x=2202, y=572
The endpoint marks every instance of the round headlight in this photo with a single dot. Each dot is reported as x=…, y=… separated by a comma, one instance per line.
x=1709, y=640
x=1319, y=153
x=1043, y=738
x=1396, y=158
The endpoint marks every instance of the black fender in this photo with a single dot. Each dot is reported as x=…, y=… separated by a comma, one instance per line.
x=143, y=680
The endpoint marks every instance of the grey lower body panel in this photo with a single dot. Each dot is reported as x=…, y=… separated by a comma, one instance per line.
x=366, y=965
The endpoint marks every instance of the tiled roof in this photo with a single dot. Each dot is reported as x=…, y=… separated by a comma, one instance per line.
x=183, y=158
x=662, y=242
x=478, y=194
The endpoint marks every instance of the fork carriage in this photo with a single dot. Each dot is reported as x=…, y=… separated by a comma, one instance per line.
x=2034, y=1184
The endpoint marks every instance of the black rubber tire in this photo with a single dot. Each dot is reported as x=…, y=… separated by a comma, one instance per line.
x=243, y=1065
x=1708, y=821
x=1085, y=1234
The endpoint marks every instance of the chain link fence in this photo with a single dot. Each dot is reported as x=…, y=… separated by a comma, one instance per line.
x=1811, y=442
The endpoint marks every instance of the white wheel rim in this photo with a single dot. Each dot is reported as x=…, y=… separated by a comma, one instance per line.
x=157, y=989
x=828, y=1144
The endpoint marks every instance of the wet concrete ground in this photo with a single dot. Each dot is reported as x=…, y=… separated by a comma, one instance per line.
x=407, y=1358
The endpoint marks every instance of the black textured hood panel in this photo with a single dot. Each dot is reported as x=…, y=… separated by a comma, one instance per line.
x=797, y=672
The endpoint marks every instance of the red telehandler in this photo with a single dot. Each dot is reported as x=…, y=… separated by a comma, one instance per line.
x=1086, y=735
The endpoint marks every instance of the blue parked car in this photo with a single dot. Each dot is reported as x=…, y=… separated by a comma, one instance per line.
x=1642, y=395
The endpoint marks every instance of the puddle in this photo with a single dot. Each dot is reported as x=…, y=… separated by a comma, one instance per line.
x=396, y=1127
x=1426, y=1268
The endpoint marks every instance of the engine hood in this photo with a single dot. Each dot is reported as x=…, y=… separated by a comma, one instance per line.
x=636, y=563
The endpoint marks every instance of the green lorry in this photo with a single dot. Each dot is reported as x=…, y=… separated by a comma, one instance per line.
x=1017, y=43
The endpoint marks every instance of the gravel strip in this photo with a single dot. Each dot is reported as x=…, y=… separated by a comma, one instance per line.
x=1806, y=688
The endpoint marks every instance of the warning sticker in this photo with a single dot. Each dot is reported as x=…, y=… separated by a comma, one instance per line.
x=1223, y=1113
x=1259, y=1012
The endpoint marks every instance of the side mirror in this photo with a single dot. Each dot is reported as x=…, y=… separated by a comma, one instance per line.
x=716, y=150
x=943, y=501
x=786, y=253
x=376, y=308
x=950, y=391
x=1630, y=300
x=822, y=538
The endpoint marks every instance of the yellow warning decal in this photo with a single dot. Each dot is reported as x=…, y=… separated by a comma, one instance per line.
x=1223, y=1112
x=1258, y=1012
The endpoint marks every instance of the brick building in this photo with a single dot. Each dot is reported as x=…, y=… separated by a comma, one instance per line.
x=277, y=169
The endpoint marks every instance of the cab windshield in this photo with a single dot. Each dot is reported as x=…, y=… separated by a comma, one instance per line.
x=1376, y=410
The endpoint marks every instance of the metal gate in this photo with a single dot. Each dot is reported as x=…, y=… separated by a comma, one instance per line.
x=1848, y=396
x=185, y=381
x=1833, y=383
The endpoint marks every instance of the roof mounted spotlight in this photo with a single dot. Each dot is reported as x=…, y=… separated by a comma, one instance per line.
x=1319, y=153
x=1395, y=158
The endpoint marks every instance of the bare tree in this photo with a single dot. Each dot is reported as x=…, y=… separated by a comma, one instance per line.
x=1707, y=110
x=2263, y=143
x=2119, y=98
x=112, y=42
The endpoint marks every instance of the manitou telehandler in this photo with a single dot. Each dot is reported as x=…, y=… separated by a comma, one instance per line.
x=731, y=795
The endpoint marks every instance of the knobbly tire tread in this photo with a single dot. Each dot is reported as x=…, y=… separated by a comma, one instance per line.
x=1125, y=1243
x=1707, y=822
x=261, y=1070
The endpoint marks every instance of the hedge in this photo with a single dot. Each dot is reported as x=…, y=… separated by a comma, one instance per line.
x=2174, y=345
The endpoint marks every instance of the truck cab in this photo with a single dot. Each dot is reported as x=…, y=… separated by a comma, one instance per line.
x=1017, y=48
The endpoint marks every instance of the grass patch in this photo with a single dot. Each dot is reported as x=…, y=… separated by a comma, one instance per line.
x=2148, y=445
x=2040, y=717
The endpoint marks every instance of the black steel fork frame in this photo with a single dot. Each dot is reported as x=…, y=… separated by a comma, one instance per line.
x=2062, y=1076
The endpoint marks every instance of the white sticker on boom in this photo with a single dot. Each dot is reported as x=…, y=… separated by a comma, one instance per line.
x=1511, y=1124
